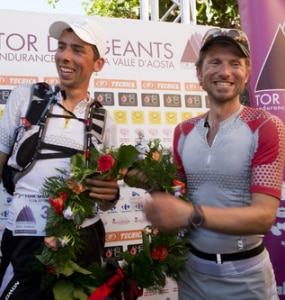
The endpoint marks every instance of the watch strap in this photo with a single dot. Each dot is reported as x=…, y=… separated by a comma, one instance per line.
x=197, y=218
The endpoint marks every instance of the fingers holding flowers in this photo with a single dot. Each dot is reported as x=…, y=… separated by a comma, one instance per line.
x=102, y=187
x=105, y=189
x=54, y=243
x=50, y=242
x=136, y=178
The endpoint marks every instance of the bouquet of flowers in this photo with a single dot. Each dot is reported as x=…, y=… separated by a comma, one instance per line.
x=163, y=254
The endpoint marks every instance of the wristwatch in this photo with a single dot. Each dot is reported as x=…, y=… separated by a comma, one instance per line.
x=197, y=218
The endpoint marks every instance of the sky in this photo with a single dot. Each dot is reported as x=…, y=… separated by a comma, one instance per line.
x=63, y=7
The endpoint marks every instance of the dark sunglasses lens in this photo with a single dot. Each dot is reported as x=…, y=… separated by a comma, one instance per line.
x=239, y=36
x=235, y=34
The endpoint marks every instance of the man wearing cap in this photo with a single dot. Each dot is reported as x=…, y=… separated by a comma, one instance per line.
x=231, y=160
x=81, y=49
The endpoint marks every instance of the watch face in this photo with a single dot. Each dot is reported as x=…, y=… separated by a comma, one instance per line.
x=197, y=218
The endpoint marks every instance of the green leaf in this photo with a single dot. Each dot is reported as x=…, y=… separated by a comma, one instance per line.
x=63, y=290
x=127, y=155
x=146, y=245
x=70, y=267
x=78, y=161
x=79, y=294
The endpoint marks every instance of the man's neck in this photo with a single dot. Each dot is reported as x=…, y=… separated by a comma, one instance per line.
x=221, y=111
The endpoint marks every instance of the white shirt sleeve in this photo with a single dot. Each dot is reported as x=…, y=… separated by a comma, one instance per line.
x=15, y=108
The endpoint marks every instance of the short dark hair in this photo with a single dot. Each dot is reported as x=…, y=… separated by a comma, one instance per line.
x=94, y=48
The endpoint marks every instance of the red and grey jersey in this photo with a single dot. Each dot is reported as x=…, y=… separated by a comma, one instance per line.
x=247, y=156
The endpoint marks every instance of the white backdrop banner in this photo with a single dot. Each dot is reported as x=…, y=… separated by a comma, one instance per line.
x=148, y=84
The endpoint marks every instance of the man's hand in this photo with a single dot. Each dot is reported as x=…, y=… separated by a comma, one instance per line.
x=105, y=189
x=166, y=212
x=50, y=242
x=136, y=178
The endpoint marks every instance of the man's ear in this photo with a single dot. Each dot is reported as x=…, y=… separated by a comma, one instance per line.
x=199, y=74
x=247, y=75
x=99, y=64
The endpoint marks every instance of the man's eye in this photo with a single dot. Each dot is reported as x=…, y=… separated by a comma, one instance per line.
x=78, y=50
x=236, y=64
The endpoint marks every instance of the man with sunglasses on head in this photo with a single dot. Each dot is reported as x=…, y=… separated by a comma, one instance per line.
x=231, y=160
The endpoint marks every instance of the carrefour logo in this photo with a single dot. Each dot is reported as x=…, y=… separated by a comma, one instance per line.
x=4, y=214
x=126, y=207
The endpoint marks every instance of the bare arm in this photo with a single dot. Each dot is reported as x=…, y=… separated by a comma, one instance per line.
x=169, y=213
x=255, y=219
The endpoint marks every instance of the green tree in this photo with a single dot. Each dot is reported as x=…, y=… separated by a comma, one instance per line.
x=108, y=8
x=209, y=12
x=218, y=13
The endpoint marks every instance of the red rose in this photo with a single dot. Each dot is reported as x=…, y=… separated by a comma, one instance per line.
x=159, y=253
x=105, y=163
x=51, y=269
x=58, y=203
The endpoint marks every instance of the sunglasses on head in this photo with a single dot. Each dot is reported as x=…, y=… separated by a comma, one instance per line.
x=235, y=34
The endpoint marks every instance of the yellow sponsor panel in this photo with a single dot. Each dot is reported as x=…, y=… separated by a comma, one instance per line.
x=121, y=116
x=138, y=117
x=1, y=113
x=171, y=117
x=186, y=115
x=200, y=113
x=154, y=117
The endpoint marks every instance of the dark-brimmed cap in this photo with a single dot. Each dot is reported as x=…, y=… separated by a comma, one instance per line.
x=232, y=36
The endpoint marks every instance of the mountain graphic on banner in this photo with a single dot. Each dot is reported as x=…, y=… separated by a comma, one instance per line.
x=272, y=73
x=26, y=215
x=191, y=50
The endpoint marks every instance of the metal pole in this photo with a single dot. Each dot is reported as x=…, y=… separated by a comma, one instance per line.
x=174, y=5
x=185, y=11
x=144, y=4
x=154, y=10
x=193, y=12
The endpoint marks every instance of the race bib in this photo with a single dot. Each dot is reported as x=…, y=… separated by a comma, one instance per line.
x=29, y=214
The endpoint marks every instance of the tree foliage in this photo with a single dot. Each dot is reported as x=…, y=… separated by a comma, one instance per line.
x=110, y=8
x=219, y=13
